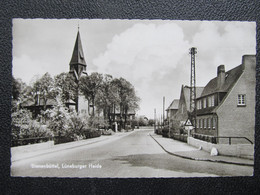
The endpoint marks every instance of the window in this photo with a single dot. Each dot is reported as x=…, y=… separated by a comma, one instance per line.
x=209, y=123
x=241, y=100
x=205, y=123
x=199, y=104
x=201, y=123
x=197, y=123
x=204, y=102
x=211, y=101
x=213, y=123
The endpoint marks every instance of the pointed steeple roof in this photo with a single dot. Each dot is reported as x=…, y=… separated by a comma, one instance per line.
x=78, y=55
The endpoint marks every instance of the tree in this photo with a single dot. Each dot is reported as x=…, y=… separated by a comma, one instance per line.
x=107, y=97
x=16, y=88
x=127, y=98
x=151, y=122
x=65, y=85
x=90, y=86
x=20, y=93
x=59, y=119
x=42, y=89
x=142, y=121
x=106, y=93
x=45, y=85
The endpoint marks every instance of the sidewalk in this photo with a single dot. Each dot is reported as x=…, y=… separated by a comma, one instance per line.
x=16, y=156
x=183, y=150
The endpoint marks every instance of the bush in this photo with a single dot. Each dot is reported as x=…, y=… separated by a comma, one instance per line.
x=77, y=124
x=59, y=120
x=180, y=137
x=20, y=124
x=36, y=129
x=27, y=131
x=128, y=127
x=62, y=139
x=165, y=131
x=97, y=122
x=91, y=133
x=108, y=132
x=158, y=131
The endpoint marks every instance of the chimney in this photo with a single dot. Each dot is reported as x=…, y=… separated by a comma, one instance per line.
x=221, y=76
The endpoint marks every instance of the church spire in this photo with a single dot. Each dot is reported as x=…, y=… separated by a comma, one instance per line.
x=77, y=63
x=78, y=55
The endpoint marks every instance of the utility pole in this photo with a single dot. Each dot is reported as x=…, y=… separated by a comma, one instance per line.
x=193, y=108
x=154, y=120
x=163, y=108
x=161, y=121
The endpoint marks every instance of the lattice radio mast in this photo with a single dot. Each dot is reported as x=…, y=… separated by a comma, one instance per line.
x=193, y=109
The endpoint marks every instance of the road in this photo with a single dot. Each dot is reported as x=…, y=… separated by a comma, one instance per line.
x=135, y=155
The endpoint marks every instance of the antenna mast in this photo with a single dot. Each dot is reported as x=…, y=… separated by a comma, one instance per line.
x=193, y=109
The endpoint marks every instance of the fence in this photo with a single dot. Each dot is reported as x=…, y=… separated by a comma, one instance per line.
x=215, y=139
x=26, y=141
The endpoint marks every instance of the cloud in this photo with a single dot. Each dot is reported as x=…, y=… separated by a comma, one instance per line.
x=143, y=48
x=145, y=54
x=226, y=47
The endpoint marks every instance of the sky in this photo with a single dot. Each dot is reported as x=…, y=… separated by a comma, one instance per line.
x=153, y=55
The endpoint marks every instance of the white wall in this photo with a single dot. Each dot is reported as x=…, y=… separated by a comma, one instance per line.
x=237, y=150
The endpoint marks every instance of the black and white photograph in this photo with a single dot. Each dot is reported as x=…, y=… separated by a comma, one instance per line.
x=119, y=98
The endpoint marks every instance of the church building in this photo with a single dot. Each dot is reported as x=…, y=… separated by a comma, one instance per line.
x=78, y=68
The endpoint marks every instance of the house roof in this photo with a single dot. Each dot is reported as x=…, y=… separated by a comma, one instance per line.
x=50, y=102
x=231, y=78
x=174, y=105
x=130, y=111
x=78, y=54
x=186, y=91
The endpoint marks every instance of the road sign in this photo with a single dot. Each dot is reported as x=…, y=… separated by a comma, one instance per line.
x=188, y=123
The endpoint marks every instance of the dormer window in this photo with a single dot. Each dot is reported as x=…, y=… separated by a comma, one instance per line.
x=241, y=100
x=199, y=105
x=211, y=101
x=205, y=103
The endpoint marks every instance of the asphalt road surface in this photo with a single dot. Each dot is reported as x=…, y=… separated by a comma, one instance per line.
x=135, y=155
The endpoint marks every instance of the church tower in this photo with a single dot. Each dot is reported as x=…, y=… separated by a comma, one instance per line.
x=77, y=65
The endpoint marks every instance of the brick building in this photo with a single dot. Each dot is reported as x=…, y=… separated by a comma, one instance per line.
x=182, y=113
x=171, y=111
x=226, y=106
